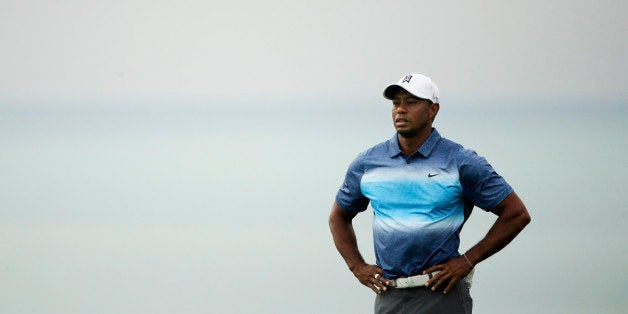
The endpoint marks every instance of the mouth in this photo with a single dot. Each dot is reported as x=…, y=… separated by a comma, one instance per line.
x=401, y=122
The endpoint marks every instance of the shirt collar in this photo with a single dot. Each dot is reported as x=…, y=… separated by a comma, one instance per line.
x=425, y=149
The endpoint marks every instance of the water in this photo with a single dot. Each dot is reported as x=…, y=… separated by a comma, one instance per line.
x=195, y=209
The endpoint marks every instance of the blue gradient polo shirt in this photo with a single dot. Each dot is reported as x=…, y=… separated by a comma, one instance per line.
x=420, y=202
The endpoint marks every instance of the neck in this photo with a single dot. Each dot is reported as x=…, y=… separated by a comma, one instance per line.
x=410, y=144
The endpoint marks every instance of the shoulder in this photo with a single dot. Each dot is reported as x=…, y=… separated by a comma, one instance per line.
x=379, y=149
x=458, y=151
x=370, y=155
x=376, y=151
x=453, y=149
x=465, y=159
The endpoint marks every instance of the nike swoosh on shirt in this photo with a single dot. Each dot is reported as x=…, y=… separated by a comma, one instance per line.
x=429, y=175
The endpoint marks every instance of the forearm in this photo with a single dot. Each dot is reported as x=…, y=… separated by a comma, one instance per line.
x=513, y=217
x=344, y=237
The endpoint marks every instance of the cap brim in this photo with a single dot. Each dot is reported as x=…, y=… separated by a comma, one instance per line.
x=389, y=92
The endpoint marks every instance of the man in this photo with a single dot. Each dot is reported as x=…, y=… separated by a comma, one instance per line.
x=422, y=188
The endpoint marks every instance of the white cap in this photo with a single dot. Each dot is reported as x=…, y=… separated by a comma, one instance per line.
x=418, y=85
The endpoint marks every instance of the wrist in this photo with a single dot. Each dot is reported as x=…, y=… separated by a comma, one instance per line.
x=468, y=261
x=354, y=266
x=471, y=258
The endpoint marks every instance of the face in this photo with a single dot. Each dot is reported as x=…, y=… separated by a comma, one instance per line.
x=412, y=116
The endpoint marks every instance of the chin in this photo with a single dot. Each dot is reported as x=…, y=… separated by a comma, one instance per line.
x=407, y=133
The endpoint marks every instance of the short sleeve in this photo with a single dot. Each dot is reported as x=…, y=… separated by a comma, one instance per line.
x=480, y=182
x=350, y=197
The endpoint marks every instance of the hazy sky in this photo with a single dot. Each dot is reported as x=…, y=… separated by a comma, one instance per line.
x=309, y=49
x=198, y=208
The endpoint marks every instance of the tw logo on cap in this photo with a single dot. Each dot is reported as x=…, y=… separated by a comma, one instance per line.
x=407, y=79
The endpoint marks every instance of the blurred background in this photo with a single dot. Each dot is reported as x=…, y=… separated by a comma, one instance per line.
x=182, y=157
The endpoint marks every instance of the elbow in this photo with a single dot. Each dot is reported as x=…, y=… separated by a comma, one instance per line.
x=524, y=217
x=334, y=219
x=512, y=209
x=517, y=216
x=331, y=221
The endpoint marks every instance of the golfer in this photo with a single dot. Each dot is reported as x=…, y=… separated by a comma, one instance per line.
x=422, y=188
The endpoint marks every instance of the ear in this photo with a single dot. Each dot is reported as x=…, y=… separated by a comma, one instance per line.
x=434, y=110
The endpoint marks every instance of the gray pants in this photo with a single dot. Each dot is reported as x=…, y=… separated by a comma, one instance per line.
x=424, y=300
